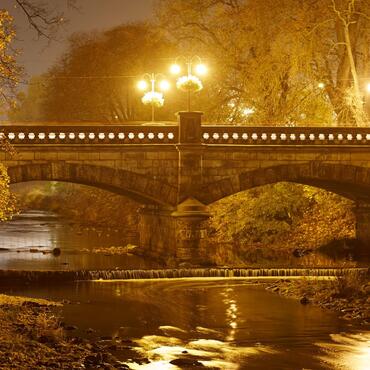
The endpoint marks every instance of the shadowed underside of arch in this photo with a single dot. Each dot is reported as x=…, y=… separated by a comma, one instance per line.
x=136, y=186
x=350, y=181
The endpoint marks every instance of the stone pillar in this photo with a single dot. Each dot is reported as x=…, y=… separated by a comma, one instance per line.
x=190, y=150
x=157, y=232
x=362, y=212
x=191, y=231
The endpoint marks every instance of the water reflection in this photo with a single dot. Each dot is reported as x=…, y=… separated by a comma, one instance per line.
x=352, y=351
x=208, y=352
x=223, y=323
x=26, y=242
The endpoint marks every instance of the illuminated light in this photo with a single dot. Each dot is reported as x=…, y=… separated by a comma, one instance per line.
x=189, y=83
x=321, y=137
x=91, y=136
x=101, y=136
x=331, y=137
x=41, y=136
x=175, y=69
x=171, y=136
x=164, y=85
x=368, y=87
x=312, y=137
x=141, y=135
x=11, y=136
x=302, y=137
x=248, y=111
x=254, y=136
x=283, y=136
x=245, y=136
x=201, y=69
x=321, y=85
x=81, y=136
x=273, y=136
x=62, y=135
x=31, y=136
x=142, y=85
x=235, y=136
x=264, y=136
x=359, y=137
x=151, y=136
x=121, y=135
x=292, y=137
x=161, y=136
x=206, y=136
x=225, y=136
x=71, y=135
x=111, y=136
x=154, y=98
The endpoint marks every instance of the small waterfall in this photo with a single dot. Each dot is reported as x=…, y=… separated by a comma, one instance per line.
x=214, y=273
x=13, y=276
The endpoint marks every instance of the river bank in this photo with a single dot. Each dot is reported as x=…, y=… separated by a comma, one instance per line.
x=32, y=336
x=348, y=295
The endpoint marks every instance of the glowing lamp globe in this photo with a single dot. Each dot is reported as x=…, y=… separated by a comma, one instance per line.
x=164, y=85
x=175, y=69
x=201, y=69
x=142, y=85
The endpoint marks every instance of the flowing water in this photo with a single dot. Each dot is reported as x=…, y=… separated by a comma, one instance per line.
x=27, y=240
x=226, y=324
x=223, y=323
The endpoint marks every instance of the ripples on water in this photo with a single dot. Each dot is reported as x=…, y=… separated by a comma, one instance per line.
x=228, y=325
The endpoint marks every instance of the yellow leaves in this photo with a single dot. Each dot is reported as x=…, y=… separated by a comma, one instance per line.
x=7, y=200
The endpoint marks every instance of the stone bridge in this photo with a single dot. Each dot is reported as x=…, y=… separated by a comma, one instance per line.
x=176, y=170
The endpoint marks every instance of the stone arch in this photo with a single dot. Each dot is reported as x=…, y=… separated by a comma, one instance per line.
x=141, y=188
x=350, y=181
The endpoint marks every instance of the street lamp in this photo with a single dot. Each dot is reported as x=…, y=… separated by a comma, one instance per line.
x=189, y=82
x=152, y=97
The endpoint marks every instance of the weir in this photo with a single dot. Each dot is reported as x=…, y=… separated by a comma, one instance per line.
x=17, y=276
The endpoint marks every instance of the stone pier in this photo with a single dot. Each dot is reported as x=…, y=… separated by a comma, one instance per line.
x=362, y=213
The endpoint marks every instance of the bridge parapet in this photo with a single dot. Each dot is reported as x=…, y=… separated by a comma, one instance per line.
x=169, y=134
x=285, y=136
x=91, y=135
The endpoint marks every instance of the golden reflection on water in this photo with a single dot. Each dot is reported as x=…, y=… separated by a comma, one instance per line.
x=351, y=351
x=210, y=352
x=229, y=299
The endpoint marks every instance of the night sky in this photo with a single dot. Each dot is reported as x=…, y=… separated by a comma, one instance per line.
x=37, y=56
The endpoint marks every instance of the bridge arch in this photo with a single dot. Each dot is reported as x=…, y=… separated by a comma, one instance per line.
x=141, y=188
x=350, y=181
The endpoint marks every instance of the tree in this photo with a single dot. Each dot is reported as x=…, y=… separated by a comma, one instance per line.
x=287, y=61
x=96, y=78
x=9, y=71
x=42, y=19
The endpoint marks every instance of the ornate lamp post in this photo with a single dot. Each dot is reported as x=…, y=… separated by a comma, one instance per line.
x=189, y=83
x=153, y=97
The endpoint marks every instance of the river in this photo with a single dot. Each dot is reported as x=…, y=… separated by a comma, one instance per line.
x=26, y=243
x=223, y=323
